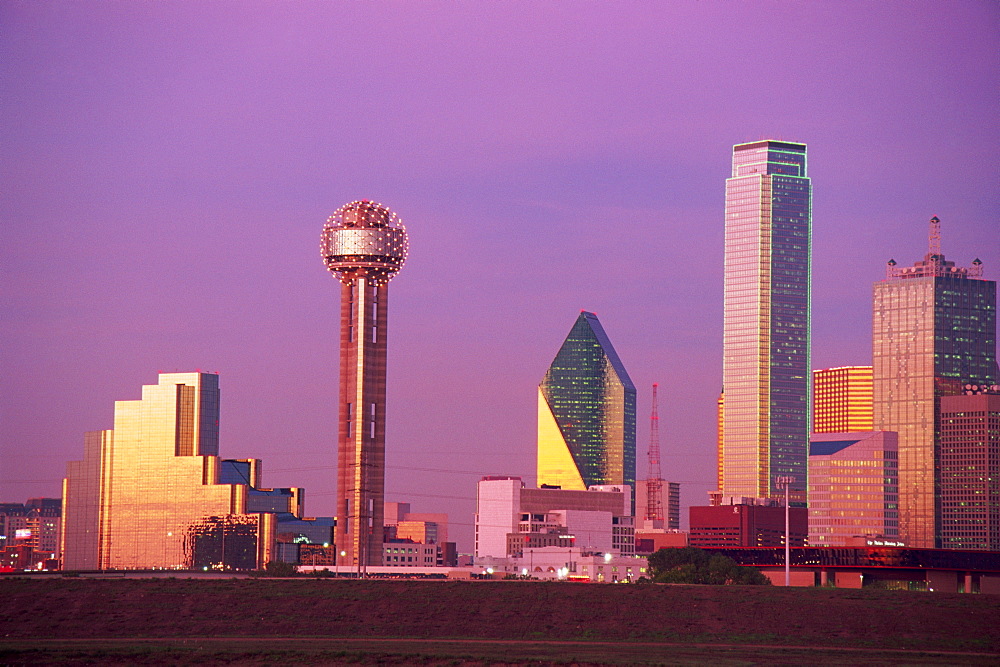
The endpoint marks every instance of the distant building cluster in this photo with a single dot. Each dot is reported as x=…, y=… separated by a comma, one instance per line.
x=29, y=534
x=904, y=452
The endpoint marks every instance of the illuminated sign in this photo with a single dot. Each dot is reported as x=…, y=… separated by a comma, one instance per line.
x=885, y=543
x=22, y=534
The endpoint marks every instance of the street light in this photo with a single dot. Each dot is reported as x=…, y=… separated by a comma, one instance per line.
x=784, y=483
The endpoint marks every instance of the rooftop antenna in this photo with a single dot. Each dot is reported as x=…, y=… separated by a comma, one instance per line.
x=934, y=237
x=654, y=482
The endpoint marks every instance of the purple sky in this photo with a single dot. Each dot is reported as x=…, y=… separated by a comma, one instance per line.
x=167, y=168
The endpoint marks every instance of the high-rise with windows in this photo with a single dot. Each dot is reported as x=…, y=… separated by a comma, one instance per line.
x=842, y=399
x=766, y=329
x=363, y=244
x=933, y=329
x=586, y=413
x=970, y=469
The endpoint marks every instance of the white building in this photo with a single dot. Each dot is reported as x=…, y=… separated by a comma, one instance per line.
x=511, y=519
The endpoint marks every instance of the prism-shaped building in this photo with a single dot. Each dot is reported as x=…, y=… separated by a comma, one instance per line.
x=586, y=413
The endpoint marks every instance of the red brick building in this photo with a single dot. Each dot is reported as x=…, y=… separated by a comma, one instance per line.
x=747, y=526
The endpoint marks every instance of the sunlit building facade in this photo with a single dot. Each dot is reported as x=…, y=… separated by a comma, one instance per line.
x=766, y=330
x=842, y=399
x=147, y=494
x=853, y=487
x=970, y=470
x=933, y=329
x=586, y=413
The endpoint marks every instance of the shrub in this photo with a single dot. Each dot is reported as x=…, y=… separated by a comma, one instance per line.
x=277, y=568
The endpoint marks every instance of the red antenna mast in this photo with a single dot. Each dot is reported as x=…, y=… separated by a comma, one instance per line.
x=654, y=482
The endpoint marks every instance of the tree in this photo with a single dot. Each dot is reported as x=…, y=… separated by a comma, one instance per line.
x=277, y=568
x=689, y=565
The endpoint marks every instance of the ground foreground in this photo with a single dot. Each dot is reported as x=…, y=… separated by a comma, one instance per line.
x=324, y=621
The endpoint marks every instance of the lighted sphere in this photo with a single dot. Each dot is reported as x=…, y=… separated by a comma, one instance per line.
x=364, y=239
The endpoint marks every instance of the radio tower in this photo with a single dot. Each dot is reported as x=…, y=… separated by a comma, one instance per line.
x=654, y=482
x=364, y=245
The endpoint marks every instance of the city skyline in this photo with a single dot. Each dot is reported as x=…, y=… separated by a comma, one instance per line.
x=167, y=165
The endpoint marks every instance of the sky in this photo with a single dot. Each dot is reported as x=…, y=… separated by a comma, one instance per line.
x=168, y=166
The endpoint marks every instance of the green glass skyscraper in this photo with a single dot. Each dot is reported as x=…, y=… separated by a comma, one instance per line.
x=586, y=413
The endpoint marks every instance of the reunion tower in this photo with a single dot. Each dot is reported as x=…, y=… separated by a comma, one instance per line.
x=364, y=245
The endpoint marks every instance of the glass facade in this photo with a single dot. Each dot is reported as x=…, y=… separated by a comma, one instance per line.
x=766, y=330
x=933, y=328
x=970, y=471
x=853, y=487
x=229, y=542
x=586, y=413
x=842, y=399
x=147, y=488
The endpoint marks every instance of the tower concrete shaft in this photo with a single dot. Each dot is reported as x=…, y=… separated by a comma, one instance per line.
x=361, y=433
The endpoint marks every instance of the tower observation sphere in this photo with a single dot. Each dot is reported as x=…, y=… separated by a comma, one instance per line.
x=363, y=244
x=364, y=239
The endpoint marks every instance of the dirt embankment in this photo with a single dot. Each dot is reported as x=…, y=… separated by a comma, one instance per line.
x=80, y=608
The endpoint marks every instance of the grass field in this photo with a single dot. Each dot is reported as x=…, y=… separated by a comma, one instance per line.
x=326, y=621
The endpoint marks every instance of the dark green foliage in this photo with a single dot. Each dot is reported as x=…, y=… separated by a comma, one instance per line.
x=277, y=568
x=690, y=565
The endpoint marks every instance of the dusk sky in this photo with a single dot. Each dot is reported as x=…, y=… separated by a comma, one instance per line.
x=167, y=168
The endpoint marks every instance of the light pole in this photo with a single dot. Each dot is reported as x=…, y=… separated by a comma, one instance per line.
x=785, y=483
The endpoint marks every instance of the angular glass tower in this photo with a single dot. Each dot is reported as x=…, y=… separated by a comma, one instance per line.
x=933, y=329
x=766, y=332
x=586, y=413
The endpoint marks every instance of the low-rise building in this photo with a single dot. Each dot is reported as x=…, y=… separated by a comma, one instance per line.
x=746, y=522
x=853, y=487
x=510, y=518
